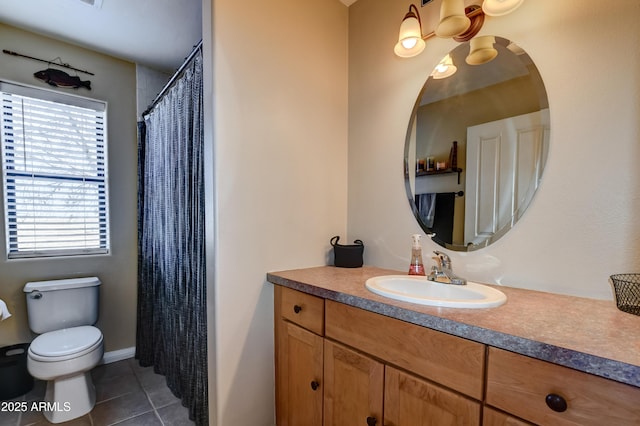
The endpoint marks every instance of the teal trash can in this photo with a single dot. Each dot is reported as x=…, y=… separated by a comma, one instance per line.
x=15, y=379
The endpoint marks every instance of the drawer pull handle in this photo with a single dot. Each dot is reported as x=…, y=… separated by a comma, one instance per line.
x=371, y=421
x=315, y=385
x=297, y=308
x=556, y=402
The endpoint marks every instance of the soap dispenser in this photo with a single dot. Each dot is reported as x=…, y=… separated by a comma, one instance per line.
x=416, y=267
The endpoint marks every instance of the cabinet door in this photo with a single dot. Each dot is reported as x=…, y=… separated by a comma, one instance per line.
x=299, y=380
x=353, y=387
x=493, y=417
x=410, y=401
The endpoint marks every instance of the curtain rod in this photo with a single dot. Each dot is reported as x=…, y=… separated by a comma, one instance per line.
x=173, y=78
x=61, y=64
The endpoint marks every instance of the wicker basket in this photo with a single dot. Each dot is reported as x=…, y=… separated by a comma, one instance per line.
x=627, y=290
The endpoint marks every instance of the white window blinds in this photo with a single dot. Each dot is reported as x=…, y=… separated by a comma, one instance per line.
x=54, y=173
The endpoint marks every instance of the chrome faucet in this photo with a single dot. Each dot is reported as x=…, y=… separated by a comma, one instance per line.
x=441, y=272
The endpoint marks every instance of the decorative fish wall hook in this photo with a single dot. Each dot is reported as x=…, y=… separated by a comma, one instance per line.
x=58, y=78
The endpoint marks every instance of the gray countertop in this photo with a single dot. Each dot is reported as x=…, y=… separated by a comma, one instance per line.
x=585, y=334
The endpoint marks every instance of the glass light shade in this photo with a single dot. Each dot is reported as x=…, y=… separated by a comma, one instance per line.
x=515, y=49
x=453, y=20
x=500, y=7
x=410, y=42
x=444, y=69
x=481, y=50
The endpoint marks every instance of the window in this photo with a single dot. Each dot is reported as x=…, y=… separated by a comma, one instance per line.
x=54, y=170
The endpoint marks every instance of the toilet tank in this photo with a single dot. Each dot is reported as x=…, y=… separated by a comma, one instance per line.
x=57, y=304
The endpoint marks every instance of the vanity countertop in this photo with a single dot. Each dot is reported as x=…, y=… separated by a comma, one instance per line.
x=588, y=335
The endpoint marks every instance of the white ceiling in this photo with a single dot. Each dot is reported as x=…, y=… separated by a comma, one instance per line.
x=155, y=33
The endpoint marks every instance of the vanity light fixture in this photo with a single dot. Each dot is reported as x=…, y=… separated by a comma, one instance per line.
x=500, y=7
x=444, y=69
x=411, y=41
x=456, y=21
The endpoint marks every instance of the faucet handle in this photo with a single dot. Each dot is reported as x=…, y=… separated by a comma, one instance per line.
x=446, y=260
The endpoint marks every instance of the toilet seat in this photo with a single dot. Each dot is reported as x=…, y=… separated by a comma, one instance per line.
x=68, y=343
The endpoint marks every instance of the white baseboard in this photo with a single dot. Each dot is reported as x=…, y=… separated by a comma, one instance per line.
x=118, y=355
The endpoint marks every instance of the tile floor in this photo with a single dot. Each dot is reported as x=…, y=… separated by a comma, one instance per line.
x=126, y=395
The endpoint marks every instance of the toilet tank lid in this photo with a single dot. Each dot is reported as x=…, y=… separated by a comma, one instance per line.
x=61, y=284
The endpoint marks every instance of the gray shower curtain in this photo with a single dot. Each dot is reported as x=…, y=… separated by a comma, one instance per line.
x=172, y=328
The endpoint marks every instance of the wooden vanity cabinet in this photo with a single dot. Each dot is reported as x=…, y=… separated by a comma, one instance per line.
x=337, y=365
x=363, y=368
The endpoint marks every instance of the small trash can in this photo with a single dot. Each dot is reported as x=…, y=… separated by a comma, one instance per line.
x=15, y=379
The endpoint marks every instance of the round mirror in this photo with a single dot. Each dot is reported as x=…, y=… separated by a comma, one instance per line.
x=477, y=143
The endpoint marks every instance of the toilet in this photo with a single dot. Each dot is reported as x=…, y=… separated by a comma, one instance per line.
x=63, y=312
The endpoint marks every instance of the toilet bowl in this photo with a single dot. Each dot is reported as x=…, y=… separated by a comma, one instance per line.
x=64, y=359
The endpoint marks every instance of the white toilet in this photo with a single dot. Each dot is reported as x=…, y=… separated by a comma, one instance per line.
x=63, y=312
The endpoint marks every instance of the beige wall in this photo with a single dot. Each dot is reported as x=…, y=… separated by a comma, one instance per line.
x=280, y=141
x=149, y=83
x=583, y=225
x=114, y=82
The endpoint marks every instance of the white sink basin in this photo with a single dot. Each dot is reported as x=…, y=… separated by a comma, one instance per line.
x=418, y=289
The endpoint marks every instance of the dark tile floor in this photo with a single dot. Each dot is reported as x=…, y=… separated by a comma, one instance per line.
x=126, y=395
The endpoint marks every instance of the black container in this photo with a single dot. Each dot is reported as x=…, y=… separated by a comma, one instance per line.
x=15, y=379
x=627, y=291
x=347, y=256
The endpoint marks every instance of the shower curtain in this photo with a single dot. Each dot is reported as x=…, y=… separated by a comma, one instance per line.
x=171, y=320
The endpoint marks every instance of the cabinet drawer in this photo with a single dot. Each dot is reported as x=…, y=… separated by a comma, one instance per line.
x=521, y=385
x=451, y=361
x=303, y=309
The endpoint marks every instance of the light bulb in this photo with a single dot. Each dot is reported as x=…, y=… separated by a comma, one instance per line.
x=409, y=43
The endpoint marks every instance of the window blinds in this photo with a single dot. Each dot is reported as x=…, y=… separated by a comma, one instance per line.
x=54, y=173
